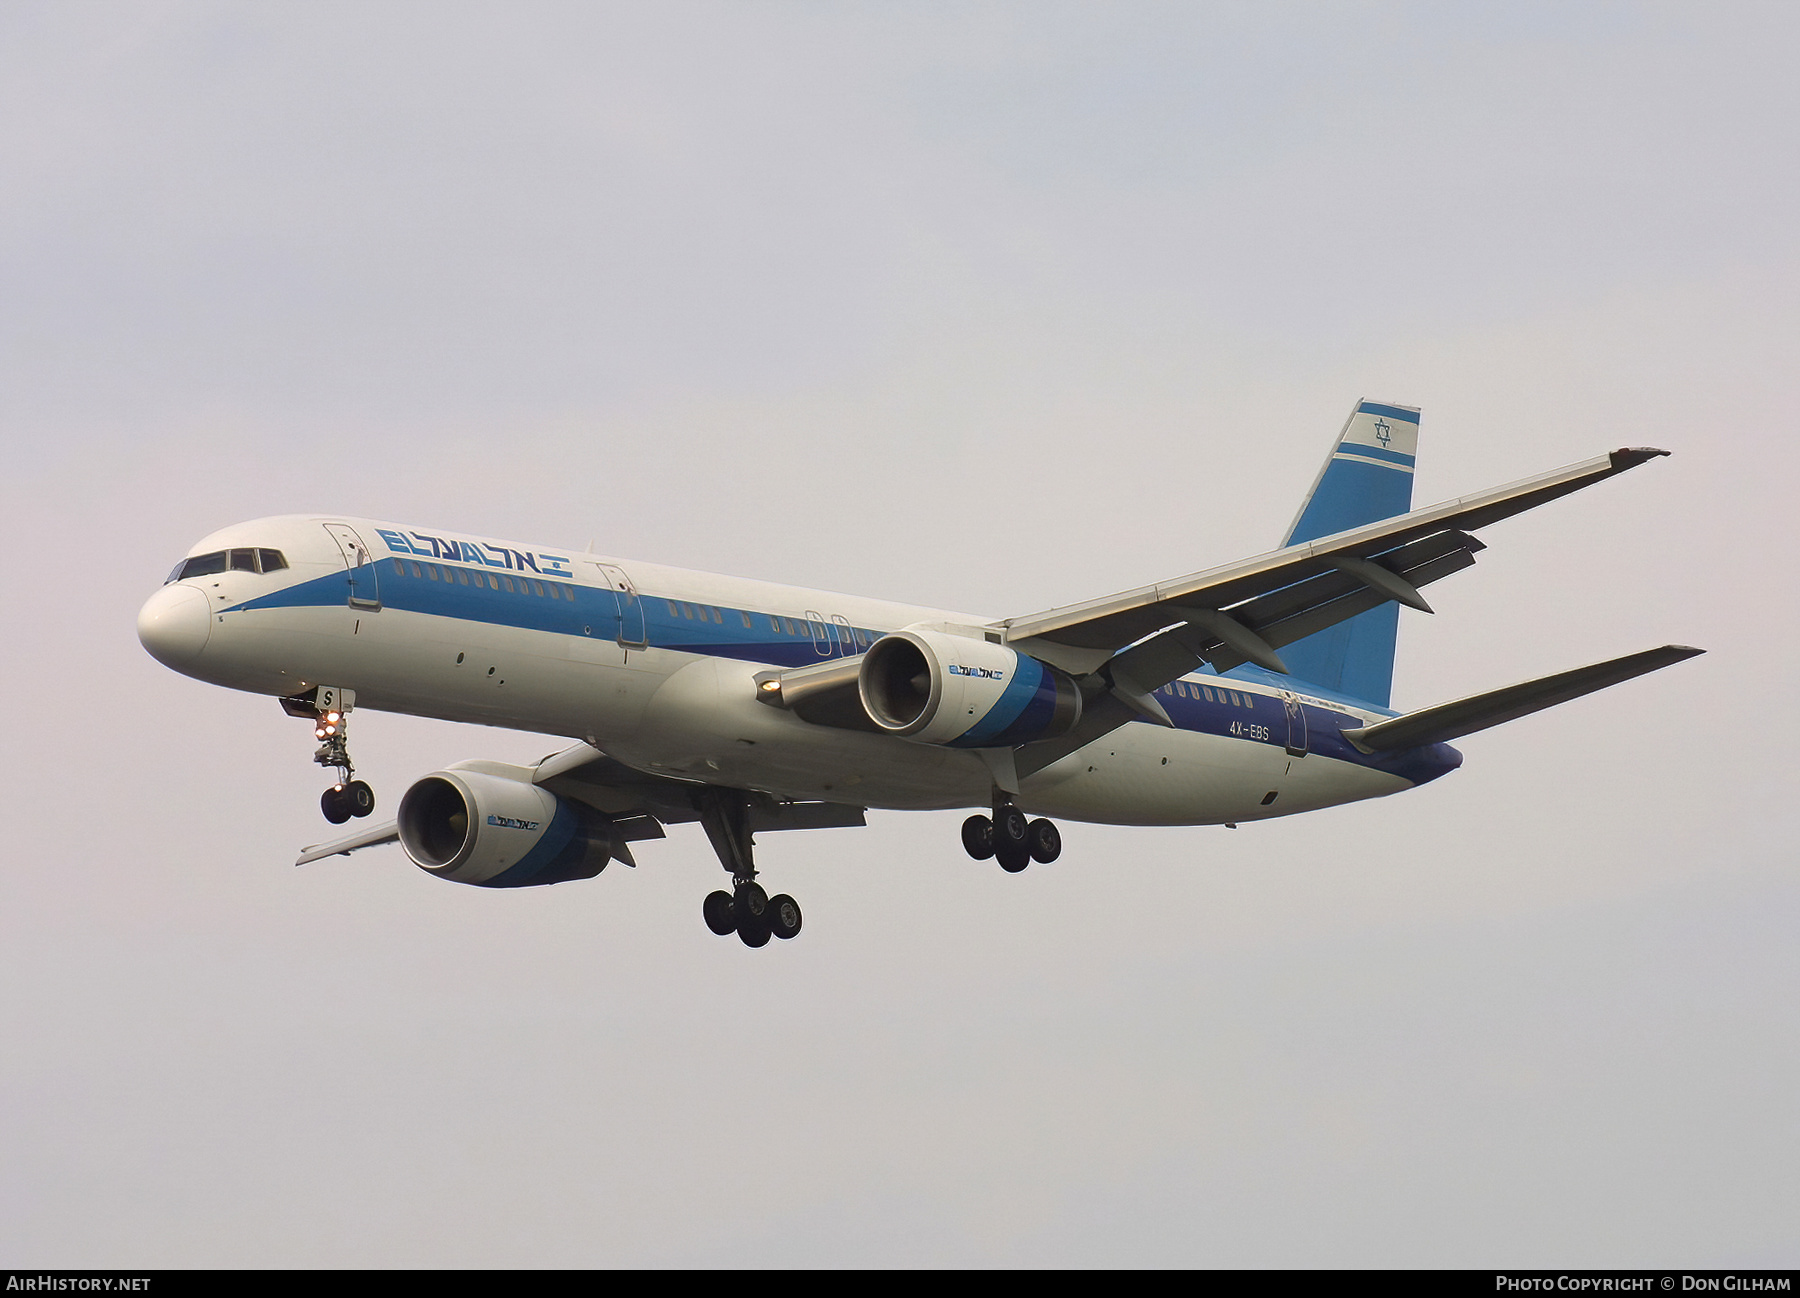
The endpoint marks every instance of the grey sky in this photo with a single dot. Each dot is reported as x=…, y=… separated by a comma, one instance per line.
x=992, y=307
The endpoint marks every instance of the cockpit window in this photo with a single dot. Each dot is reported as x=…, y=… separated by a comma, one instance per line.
x=204, y=565
x=201, y=565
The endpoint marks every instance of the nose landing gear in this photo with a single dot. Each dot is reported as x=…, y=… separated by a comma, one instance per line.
x=1010, y=838
x=344, y=800
x=329, y=709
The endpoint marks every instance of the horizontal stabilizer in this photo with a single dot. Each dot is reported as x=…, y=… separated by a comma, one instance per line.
x=374, y=836
x=1449, y=721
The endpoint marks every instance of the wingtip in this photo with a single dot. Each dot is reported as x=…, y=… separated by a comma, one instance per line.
x=1629, y=457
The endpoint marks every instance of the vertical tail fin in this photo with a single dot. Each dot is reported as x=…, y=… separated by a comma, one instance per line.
x=1367, y=477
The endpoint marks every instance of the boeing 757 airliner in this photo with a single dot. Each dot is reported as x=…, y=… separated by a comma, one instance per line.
x=1239, y=693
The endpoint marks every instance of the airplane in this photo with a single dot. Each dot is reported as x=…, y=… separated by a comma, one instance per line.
x=1239, y=693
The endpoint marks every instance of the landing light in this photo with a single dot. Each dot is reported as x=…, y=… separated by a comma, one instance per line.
x=771, y=687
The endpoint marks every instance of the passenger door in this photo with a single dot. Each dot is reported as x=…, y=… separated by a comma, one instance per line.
x=1296, y=723
x=840, y=626
x=631, y=607
x=821, y=638
x=365, y=588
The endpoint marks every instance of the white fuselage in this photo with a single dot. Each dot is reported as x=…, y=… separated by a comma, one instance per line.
x=655, y=666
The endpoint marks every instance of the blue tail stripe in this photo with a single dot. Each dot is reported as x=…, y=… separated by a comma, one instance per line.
x=1350, y=495
x=1361, y=484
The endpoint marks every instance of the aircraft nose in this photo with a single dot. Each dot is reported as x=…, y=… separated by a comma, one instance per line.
x=173, y=625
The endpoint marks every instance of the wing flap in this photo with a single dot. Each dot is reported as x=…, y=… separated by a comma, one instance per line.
x=641, y=804
x=1286, y=615
x=606, y=784
x=1119, y=620
x=1461, y=717
x=805, y=815
x=1308, y=616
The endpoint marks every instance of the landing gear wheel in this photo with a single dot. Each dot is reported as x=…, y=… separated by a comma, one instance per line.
x=978, y=837
x=784, y=916
x=750, y=902
x=1010, y=827
x=361, y=798
x=1043, y=841
x=753, y=932
x=720, y=915
x=335, y=803
x=1013, y=857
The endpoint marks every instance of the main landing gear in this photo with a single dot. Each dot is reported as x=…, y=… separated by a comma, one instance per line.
x=329, y=709
x=746, y=910
x=1010, y=838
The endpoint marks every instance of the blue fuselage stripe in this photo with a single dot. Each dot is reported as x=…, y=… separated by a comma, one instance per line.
x=592, y=614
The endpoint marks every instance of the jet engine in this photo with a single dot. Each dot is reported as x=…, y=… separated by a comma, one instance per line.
x=937, y=688
x=471, y=826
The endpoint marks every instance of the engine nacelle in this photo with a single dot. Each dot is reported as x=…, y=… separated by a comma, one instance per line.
x=472, y=826
x=937, y=688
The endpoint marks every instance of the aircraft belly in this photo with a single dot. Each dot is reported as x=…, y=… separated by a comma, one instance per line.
x=1153, y=775
x=697, y=717
x=399, y=661
x=1317, y=781
x=283, y=651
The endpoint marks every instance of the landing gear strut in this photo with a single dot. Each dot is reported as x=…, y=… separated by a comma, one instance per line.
x=1010, y=838
x=329, y=709
x=746, y=910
